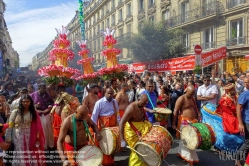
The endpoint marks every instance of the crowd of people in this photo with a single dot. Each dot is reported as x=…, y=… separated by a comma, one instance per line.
x=42, y=117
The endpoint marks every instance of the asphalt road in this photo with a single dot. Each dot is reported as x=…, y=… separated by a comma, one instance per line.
x=207, y=158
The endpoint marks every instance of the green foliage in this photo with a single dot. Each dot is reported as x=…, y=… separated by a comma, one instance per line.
x=85, y=82
x=197, y=69
x=113, y=76
x=155, y=41
x=56, y=80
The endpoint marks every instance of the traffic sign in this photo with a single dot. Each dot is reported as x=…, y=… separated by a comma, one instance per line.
x=198, y=49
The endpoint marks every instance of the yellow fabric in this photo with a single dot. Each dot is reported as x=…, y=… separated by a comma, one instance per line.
x=132, y=138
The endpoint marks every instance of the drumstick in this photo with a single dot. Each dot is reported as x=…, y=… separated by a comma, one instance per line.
x=89, y=157
x=180, y=132
x=136, y=151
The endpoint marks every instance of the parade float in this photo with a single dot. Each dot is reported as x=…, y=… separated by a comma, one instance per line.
x=89, y=76
x=58, y=71
x=113, y=70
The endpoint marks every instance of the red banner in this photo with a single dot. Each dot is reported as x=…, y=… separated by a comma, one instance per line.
x=181, y=63
x=174, y=64
x=211, y=57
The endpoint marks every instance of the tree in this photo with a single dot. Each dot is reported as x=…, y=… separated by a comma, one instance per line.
x=155, y=41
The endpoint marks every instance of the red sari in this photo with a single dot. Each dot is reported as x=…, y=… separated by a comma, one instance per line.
x=227, y=108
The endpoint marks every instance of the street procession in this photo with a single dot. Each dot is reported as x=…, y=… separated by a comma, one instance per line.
x=125, y=83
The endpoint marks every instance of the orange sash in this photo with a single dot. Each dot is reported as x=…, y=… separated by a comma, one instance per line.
x=180, y=120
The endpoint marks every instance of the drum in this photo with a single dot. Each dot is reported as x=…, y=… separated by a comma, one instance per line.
x=198, y=136
x=162, y=114
x=154, y=145
x=110, y=142
x=224, y=141
x=89, y=155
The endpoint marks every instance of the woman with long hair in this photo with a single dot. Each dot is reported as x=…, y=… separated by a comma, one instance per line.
x=26, y=133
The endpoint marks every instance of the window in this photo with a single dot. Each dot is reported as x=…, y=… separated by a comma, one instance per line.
x=128, y=8
x=103, y=25
x=234, y=3
x=98, y=29
x=141, y=4
x=98, y=44
x=151, y=19
x=166, y=15
x=129, y=28
x=94, y=31
x=120, y=31
x=208, y=36
x=120, y=14
x=90, y=34
x=184, y=11
x=102, y=12
x=151, y=3
x=186, y=41
x=107, y=23
x=94, y=45
x=113, y=3
x=113, y=20
x=236, y=32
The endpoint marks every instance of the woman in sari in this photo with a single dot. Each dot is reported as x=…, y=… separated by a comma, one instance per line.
x=26, y=133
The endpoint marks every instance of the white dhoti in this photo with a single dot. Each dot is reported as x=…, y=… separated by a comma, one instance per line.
x=47, y=126
x=189, y=155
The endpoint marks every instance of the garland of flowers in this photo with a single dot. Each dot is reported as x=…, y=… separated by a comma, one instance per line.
x=81, y=20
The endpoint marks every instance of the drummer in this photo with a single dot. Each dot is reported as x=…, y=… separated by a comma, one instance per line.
x=136, y=116
x=186, y=111
x=67, y=132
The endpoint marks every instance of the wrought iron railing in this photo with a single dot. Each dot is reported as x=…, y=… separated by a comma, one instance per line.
x=140, y=11
x=208, y=45
x=234, y=3
x=128, y=16
x=151, y=5
x=120, y=20
x=236, y=41
x=200, y=12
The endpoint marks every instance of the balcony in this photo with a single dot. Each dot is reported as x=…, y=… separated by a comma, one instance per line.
x=107, y=11
x=234, y=3
x=151, y=5
x=120, y=3
x=208, y=45
x=236, y=41
x=128, y=17
x=113, y=24
x=140, y=11
x=120, y=20
x=205, y=12
x=164, y=4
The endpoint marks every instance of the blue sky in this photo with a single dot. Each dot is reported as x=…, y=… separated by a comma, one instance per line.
x=32, y=23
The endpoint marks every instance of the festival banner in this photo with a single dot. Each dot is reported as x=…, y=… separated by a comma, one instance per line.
x=211, y=57
x=174, y=64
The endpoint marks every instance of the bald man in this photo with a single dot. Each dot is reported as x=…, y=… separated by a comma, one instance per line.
x=186, y=110
x=134, y=114
x=80, y=119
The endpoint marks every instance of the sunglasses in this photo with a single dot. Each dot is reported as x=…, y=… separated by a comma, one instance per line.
x=206, y=80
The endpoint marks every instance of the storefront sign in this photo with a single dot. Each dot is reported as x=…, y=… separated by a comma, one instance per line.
x=213, y=56
x=174, y=64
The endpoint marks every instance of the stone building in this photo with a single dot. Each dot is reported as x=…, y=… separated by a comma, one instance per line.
x=9, y=58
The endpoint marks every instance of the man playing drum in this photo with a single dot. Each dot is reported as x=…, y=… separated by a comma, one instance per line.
x=105, y=114
x=122, y=99
x=66, y=135
x=135, y=115
x=186, y=111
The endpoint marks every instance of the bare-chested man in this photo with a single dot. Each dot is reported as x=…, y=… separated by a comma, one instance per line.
x=67, y=132
x=122, y=99
x=186, y=111
x=91, y=98
x=135, y=115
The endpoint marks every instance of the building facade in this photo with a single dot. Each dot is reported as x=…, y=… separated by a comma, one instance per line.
x=213, y=24
x=9, y=58
x=122, y=15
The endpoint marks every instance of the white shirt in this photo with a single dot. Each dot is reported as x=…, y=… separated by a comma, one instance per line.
x=104, y=108
x=85, y=92
x=207, y=91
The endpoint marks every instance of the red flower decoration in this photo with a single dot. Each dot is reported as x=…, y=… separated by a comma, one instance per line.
x=61, y=42
x=83, y=52
x=57, y=51
x=85, y=60
x=112, y=50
